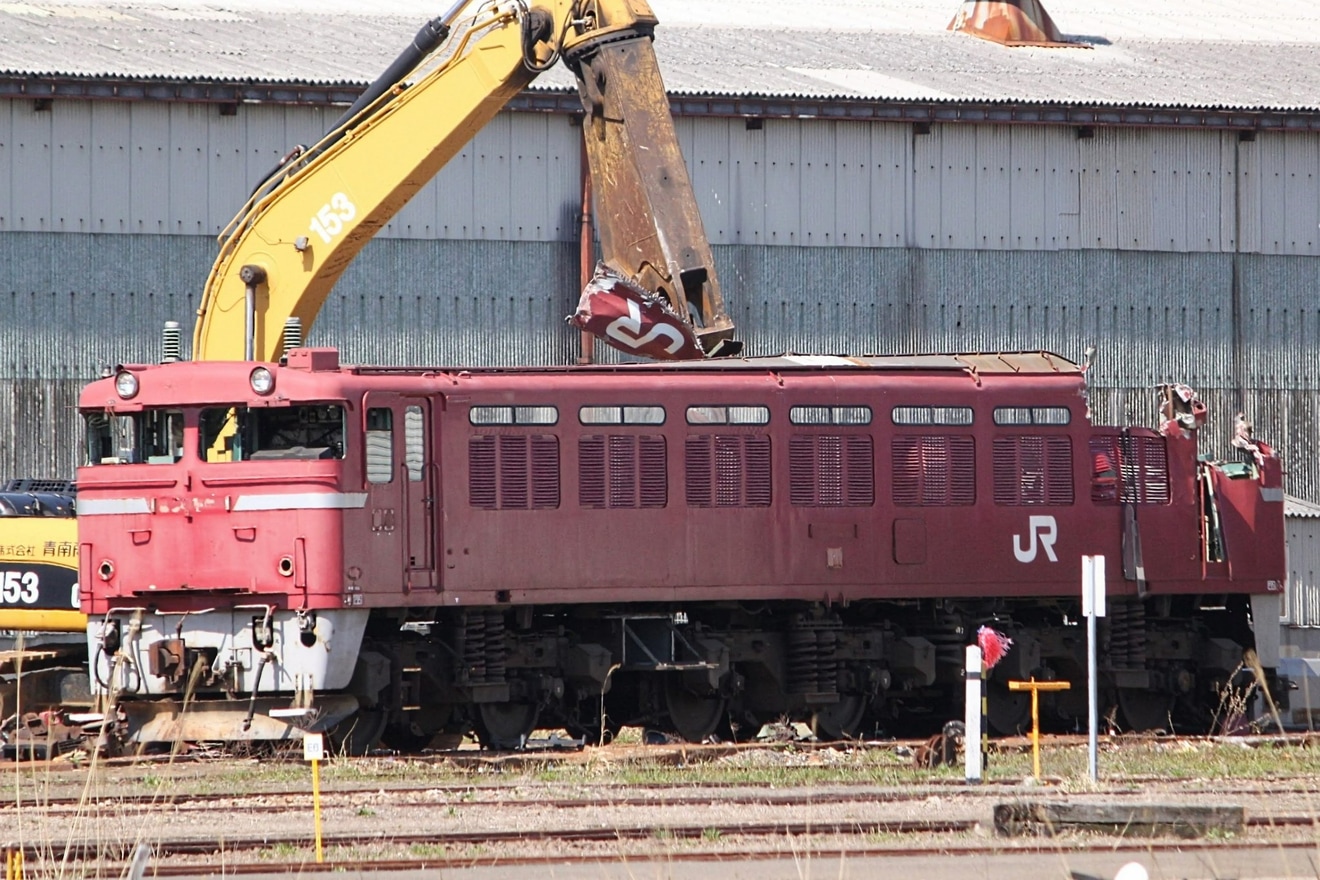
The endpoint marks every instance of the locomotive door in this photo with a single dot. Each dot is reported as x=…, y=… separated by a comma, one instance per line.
x=400, y=478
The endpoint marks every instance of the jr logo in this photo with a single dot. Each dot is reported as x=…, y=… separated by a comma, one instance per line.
x=1048, y=531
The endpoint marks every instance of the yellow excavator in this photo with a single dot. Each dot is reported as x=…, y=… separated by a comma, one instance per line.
x=655, y=293
x=43, y=634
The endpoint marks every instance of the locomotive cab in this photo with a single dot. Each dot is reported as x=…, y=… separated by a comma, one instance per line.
x=211, y=531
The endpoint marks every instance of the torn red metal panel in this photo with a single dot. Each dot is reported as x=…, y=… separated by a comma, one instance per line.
x=633, y=319
x=1011, y=22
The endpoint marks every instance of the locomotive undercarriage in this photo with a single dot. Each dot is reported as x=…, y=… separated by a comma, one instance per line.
x=725, y=670
x=866, y=669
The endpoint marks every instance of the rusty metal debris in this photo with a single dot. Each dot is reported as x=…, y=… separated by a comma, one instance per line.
x=943, y=748
x=1010, y=23
x=634, y=319
x=40, y=736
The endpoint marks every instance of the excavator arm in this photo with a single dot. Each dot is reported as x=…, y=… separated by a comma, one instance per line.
x=281, y=256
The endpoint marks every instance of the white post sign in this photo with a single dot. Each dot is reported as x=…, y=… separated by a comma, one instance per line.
x=313, y=747
x=972, y=717
x=1093, y=586
x=1093, y=606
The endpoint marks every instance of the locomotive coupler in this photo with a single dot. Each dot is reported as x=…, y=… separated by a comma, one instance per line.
x=111, y=638
x=263, y=633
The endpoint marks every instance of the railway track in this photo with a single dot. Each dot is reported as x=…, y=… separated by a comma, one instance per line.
x=493, y=797
x=720, y=842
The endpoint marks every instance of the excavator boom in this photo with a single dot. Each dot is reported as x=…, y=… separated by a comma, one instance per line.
x=283, y=253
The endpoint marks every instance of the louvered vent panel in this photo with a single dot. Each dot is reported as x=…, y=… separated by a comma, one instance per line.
x=1058, y=471
x=829, y=471
x=934, y=471
x=654, y=472
x=591, y=471
x=728, y=471
x=623, y=470
x=1033, y=470
x=758, y=471
x=1006, y=471
x=513, y=472
x=1154, y=471
x=962, y=470
x=905, y=462
x=802, y=470
x=545, y=472
x=481, y=472
x=860, y=459
x=698, y=464
x=1129, y=469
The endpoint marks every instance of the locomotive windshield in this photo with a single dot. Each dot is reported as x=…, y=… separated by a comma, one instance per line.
x=147, y=437
x=237, y=433
x=227, y=433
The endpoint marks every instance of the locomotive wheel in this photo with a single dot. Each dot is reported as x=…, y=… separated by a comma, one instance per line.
x=841, y=720
x=505, y=725
x=358, y=733
x=694, y=716
x=1144, y=710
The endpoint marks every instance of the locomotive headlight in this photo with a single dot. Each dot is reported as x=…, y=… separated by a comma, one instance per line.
x=262, y=381
x=126, y=384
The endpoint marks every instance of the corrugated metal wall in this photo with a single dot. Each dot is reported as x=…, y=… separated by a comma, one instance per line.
x=70, y=304
x=182, y=169
x=831, y=236
x=1303, y=595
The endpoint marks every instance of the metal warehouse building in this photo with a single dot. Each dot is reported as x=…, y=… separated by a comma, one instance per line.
x=872, y=182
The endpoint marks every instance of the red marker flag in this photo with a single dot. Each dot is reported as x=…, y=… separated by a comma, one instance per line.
x=994, y=645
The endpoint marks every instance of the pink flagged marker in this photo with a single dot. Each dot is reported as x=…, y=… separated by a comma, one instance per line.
x=994, y=645
x=633, y=319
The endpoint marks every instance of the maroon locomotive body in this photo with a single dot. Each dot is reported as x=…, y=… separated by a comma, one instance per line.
x=701, y=547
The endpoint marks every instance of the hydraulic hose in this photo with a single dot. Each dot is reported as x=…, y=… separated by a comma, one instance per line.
x=256, y=687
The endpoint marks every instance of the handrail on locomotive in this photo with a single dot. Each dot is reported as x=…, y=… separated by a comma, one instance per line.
x=297, y=233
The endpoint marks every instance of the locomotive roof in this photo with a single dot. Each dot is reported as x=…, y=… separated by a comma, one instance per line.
x=996, y=362
x=213, y=380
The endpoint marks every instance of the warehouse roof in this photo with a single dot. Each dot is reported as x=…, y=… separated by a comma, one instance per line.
x=1145, y=53
x=1300, y=507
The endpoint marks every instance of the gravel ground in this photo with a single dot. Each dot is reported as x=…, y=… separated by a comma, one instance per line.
x=387, y=798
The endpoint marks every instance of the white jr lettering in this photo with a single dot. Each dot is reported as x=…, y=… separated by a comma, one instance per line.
x=1048, y=531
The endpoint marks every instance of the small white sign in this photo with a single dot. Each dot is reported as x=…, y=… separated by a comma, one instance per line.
x=313, y=747
x=1093, y=586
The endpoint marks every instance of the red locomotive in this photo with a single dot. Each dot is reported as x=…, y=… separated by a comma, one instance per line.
x=397, y=553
